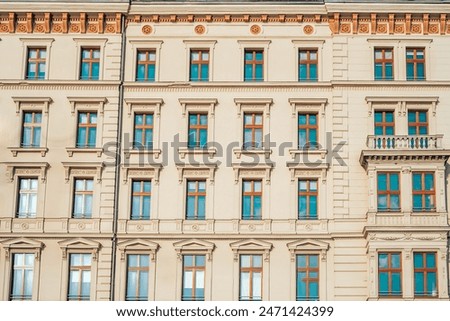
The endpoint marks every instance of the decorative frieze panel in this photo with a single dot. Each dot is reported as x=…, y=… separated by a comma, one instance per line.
x=100, y=23
x=96, y=23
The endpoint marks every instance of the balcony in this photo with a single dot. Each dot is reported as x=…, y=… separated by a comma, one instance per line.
x=407, y=148
x=404, y=142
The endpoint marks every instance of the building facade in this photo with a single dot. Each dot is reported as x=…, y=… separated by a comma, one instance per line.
x=244, y=150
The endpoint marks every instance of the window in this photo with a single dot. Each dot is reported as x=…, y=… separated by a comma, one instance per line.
x=423, y=192
x=137, y=277
x=307, y=65
x=196, y=200
x=254, y=65
x=199, y=65
x=425, y=274
x=90, y=63
x=384, y=61
x=143, y=131
x=415, y=64
x=146, y=62
x=31, y=129
x=87, y=130
x=307, y=131
x=79, y=277
x=307, y=277
x=417, y=122
x=389, y=274
x=27, y=203
x=198, y=130
x=251, y=199
x=141, y=200
x=193, y=278
x=307, y=199
x=82, y=199
x=22, y=276
x=253, y=130
x=36, y=63
x=384, y=123
x=250, y=278
x=388, y=192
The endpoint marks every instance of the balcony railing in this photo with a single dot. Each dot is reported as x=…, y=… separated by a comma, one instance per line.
x=404, y=142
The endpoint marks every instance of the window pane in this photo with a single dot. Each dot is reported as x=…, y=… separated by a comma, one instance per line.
x=431, y=260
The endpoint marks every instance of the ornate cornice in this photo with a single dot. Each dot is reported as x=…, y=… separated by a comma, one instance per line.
x=339, y=23
x=46, y=22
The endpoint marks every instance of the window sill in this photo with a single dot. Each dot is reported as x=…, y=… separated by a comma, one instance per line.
x=321, y=152
x=143, y=151
x=15, y=150
x=183, y=151
x=240, y=152
x=72, y=150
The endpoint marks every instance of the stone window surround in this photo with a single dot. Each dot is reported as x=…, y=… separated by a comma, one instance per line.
x=21, y=245
x=319, y=174
x=202, y=172
x=78, y=246
x=87, y=104
x=198, y=105
x=309, y=105
x=252, y=247
x=255, y=44
x=18, y=170
x=81, y=43
x=399, y=46
x=143, y=105
x=405, y=174
x=139, y=247
x=309, y=246
x=251, y=105
x=421, y=243
x=194, y=247
x=92, y=170
x=138, y=172
x=140, y=43
x=400, y=107
x=33, y=104
x=200, y=44
x=36, y=43
x=316, y=44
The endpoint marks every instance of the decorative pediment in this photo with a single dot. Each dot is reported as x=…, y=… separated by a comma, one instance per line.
x=22, y=243
x=194, y=246
x=138, y=245
x=251, y=246
x=308, y=245
x=79, y=244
